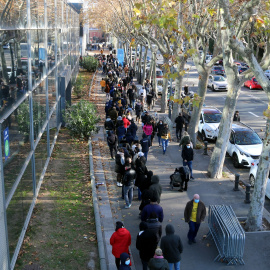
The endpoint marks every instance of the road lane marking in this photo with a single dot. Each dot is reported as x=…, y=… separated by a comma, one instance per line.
x=254, y=114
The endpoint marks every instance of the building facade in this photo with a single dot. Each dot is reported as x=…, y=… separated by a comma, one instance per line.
x=39, y=55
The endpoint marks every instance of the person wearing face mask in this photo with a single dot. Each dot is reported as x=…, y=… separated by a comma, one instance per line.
x=187, y=155
x=194, y=214
x=125, y=262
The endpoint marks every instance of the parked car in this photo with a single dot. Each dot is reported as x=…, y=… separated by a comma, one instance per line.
x=242, y=69
x=159, y=86
x=6, y=46
x=244, y=145
x=209, y=123
x=267, y=73
x=218, y=70
x=217, y=83
x=252, y=177
x=252, y=84
x=208, y=58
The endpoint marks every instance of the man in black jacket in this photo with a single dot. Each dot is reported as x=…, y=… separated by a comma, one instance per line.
x=145, y=145
x=179, y=126
x=172, y=247
x=187, y=155
x=109, y=125
x=146, y=243
x=128, y=183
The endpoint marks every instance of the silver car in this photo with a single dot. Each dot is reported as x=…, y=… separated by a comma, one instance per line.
x=217, y=83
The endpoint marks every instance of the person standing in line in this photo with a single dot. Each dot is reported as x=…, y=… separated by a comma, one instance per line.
x=120, y=166
x=112, y=142
x=145, y=145
x=146, y=243
x=159, y=128
x=236, y=116
x=120, y=242
x=158, y=262
x=125, y=262
x=138, y=110
x=179, y=126
x=172, y=247
x=165, y=136
x=156, y=186
x=195, y=212
x=187, y=155
x=148, y=130
x=154, y=225
x=128, y=183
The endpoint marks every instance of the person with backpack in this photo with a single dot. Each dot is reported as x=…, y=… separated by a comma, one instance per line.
x=165, y=136
x=112, y=142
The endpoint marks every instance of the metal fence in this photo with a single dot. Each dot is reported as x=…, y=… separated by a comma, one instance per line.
x=227, y=233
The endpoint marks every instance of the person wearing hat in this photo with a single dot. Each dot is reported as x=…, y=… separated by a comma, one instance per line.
x=158, y=262
x=156, y=186
x=172, y=247
x=120, y=242
x=146, y=243
x=125, y=262
x=187, y=155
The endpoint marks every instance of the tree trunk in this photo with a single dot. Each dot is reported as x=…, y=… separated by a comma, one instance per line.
x=195, y=116
x=140, y=66
x=135, y=59
x=178, y=89
x=255, y=215
x=144, y=65
x=165, y=89
x=153, y=62
x=4, y=65
x=154, y=69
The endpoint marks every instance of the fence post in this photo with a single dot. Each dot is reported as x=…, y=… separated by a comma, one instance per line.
x=236, y=182
x=247, y=200
x=205, y=147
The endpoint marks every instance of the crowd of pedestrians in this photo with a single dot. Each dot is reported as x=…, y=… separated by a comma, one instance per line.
x=127, y=116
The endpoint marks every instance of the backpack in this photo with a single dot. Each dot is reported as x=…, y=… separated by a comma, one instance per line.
x=111, y=139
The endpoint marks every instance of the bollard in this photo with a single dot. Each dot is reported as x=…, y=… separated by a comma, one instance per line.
x=205, y=147
x=247, y=200
x=236, y=182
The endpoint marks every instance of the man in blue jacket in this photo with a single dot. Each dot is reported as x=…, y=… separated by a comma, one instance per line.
x=120, y=132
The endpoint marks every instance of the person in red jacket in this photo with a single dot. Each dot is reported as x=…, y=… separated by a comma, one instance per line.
x=126, y=122
x=120, y=241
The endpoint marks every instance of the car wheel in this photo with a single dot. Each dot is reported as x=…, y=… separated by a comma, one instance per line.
x=213, y=88
x=203, y=136
x=250, y=87
x=235, y=161
x=252, y=180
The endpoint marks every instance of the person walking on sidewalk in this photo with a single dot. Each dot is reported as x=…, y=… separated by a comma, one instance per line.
x=159, y=128
x=128, y=183
x=187, y=155
x=145, y=145
x=194, y=214
x=138, y=110
x=146, y=243
x=165, y=136
x=179, y=120
x=120, y=242
x=158, y=262
x=172, y=247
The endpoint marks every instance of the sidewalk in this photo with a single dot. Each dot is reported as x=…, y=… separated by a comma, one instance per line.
x=212, y=191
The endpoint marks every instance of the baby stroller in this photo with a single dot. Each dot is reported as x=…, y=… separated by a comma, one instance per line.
x=179, y=177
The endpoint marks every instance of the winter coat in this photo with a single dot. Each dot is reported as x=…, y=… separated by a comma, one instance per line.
x=129, y=177
x=113, y=114
x=184, y=140
x=179, y=122
x=152, y=207
x=155, y=186
x=187, y=153
x=158, y=264
x=159, y=128
x=111, y=139
x=133, y=129
x=148, y=129
x=145, y=144
x=126, y=122
x=129, y=138
x=171, y=245
x=154, y=226
x=120, y=163
x=138, y=109
x=146, y=243
x=123, y=258
x=121, y=131
x=109, y=125
x=201, y=211
x=120, y=241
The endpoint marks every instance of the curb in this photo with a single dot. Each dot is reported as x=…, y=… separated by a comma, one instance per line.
x=101, y=247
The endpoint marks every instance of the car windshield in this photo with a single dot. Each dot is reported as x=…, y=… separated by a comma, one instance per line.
x=217, y=68
x=219, y=79
x=159, y=73
x=212, y=117
x=247, y=137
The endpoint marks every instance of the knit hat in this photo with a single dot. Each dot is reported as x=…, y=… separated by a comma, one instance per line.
x=158, y=252
x=140, y=154
x=119, y=118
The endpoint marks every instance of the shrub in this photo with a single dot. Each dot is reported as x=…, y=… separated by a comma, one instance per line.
x=90, y=63
x=81, y=119
x=78, y=86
